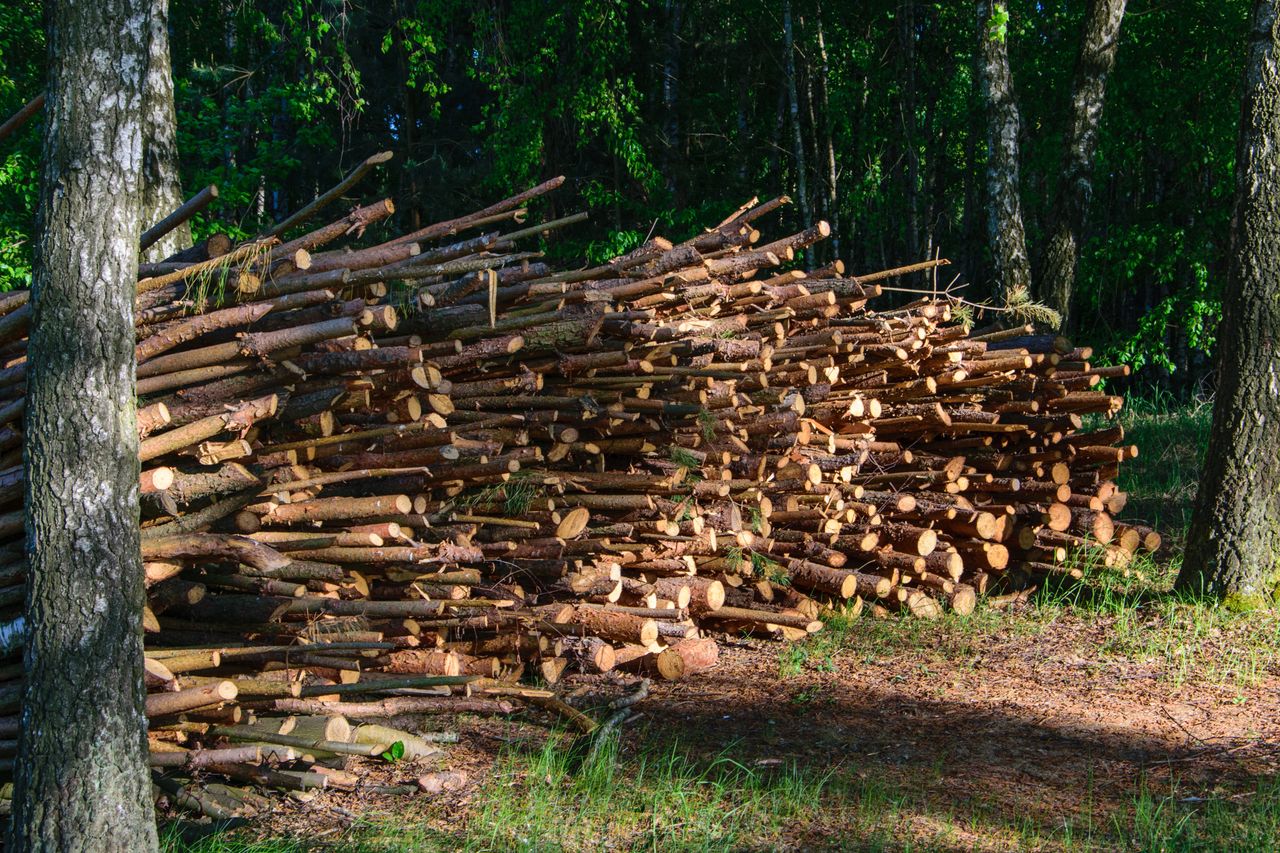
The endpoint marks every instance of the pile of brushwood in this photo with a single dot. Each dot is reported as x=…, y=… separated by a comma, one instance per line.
x=435, y=475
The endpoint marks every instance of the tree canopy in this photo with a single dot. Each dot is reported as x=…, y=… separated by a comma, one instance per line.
x=664, y=114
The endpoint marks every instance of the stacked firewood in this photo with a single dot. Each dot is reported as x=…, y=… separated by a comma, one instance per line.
x=411, y=478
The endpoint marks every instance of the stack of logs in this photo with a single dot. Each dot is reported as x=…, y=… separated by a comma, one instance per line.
x=408, y=479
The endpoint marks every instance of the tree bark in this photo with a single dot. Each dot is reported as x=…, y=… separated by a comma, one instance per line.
x=1233, y=549
x=672, y=149
x=1006, y=237
x=1097, y=57
x=83, y=658
x=161, y=187
x=793, y=101
x=829, y=149
x=910, y=130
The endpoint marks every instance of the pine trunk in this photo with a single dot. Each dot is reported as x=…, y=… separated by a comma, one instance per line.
x=910, y=132
x=1006, y=237
x=83, y=658
x=793, y=101
x=829, y=149
x=672, y=149
x=161, y=187
x=1233, y=549
x=1097, y=57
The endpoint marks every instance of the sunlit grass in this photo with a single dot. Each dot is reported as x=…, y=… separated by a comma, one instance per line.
x=1176, y=820
x=662, y=798
x=1171, y=441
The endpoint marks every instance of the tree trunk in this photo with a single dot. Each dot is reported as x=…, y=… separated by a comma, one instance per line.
x=744, y=139
x=910, y=132
x=672, y=149
x=1097, y=57
x=813, y=254
x=83, y=658
x=1006, y=238
x=793, y=99
x=161, y=187
x=1233, y=549
x=833, y=198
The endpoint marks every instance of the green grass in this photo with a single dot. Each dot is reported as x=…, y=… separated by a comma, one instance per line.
x=1171, y=441
x=1178, y=821
x=661, y=798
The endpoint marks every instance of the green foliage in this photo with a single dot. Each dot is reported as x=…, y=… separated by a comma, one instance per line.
x=516, y=494
x=21, y=79
x=684, y=458
x=1188, y=313
x=764, y=567
x=261, y=109
x=420, y=38
x=1151, y=272
x=998, y=23
x=615, y=243
x=1024, y=309
x=554, y=78
x=707, y=424
x=278, y=100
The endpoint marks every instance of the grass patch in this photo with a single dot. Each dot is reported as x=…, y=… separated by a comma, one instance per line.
x=659, y=800
x=1175, y=820
x=663, y=798
x=172, y=841
x=1171, y=441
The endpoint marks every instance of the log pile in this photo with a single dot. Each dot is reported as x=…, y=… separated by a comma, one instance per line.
x=414, y=477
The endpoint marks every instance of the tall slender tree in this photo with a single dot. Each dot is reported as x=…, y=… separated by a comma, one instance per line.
x=793, y=105
x=1098, y=46
x=1233, y=549
x=1006, y=235
x=162, y=188
x=83, y=656
x=672, y=149
x=907, y=37
x=831, y=175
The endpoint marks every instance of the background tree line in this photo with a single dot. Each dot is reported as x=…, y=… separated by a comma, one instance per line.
x=665, y=113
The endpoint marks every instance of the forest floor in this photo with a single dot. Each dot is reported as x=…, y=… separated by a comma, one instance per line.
x=1107, y=714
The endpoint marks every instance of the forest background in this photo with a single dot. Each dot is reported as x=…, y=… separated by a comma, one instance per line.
x=667, y=114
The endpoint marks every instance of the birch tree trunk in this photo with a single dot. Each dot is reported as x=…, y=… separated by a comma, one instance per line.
x=1233, y=549
x=1097, y=57
x=161, y=187
x=1006, y=237
x=80, y=778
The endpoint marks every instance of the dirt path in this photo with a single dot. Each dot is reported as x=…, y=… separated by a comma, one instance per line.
x=1025, y=728
x=1031, y=728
